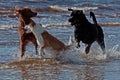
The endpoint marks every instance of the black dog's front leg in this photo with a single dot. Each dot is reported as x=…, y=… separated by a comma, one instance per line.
x=77, y=43
x=102, y=44
x=77, y=39
x=87, y=48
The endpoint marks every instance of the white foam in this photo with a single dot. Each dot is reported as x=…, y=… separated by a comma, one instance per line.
x=114, y=52
x=17, y=57
x=75, y=8
x=79, y=55
x=56, y=24
x=7, y=26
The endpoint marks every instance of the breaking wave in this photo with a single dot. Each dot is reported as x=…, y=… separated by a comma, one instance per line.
x=109, y=24
x=8, y=26
x=49, y=8
x=76, y=8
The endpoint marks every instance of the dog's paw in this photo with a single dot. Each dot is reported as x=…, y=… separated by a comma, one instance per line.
x=77, y=45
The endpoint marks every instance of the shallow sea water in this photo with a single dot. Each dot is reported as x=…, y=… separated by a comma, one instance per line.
x=76, y=65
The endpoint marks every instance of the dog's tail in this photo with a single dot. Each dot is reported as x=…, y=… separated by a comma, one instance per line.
x=93, y=17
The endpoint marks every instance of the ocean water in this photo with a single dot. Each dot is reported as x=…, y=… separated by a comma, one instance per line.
x=53, y=15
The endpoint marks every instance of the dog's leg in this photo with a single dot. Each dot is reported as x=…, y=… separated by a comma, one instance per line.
x=36, y=46
x=23, y=44
x=77, y=43
x=42, y=51
x=77, y=39
x=102, y=45
x=87, y=48
x=22, y=49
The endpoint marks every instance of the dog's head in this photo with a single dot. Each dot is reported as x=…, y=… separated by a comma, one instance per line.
x=76, y=16
x=25, y=12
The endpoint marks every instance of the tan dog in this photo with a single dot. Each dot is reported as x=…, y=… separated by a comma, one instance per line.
x=24, y=15
x=46, y=40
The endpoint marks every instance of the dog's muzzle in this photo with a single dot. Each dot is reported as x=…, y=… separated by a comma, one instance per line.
x=35, y=14
x=71, y=20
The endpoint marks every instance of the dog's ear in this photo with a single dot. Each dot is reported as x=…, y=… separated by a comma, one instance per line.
x=69, y=9
x=17, y=9
x=91, y=14
x=27, y=7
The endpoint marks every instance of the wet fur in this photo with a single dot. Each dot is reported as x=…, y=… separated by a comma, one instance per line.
x=86, y=31
x=48, y=41
x=24, y=15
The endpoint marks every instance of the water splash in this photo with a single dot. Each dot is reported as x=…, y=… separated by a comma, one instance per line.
x=77, y=56
x=95, y=54
x=114, y=52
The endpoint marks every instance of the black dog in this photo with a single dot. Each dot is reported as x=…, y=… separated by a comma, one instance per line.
x=85, y=31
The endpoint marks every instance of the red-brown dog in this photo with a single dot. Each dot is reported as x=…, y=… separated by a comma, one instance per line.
x=24, y=15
